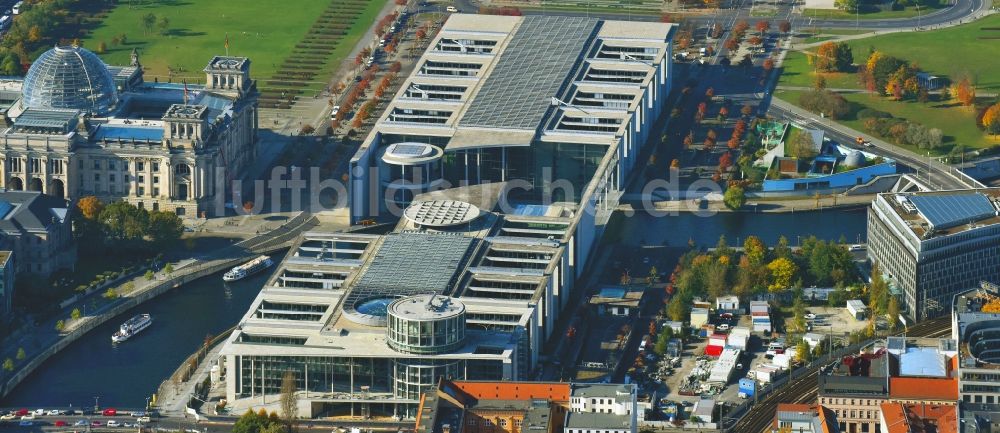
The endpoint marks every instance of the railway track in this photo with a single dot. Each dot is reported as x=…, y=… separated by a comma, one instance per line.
x=804, y=387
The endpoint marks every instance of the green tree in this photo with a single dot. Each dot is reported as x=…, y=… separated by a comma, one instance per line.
x=754, y=249
x=678, y=309
x=110, y=294
x=164, y=25
x=164, y=227
x=169, y=268
x=20, y=354
x=661, y=341
x=10, y=65
x=783, y=272
x=124, y=223
x=802, y=352
x=782, y=250
x=847, y=5
x=734, y=198
x=148, y=21
x=102, y=47
x=892, y=313
x=798, y=323
x=75, y=315
x=60, y=325
x=149, y=275
x=8, y=364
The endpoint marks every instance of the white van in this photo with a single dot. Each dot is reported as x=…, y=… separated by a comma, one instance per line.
x=17, y=7
x=451, y=9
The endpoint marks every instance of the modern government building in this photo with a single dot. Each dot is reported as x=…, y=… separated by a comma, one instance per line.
x=502, y=155
x=76, y=127
x=934, y=245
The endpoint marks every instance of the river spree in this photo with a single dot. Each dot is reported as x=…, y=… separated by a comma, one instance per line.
x=124, y=375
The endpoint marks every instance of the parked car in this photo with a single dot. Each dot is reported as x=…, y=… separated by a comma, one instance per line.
x=333, y=113
x=451, y=9
x=8, y=416
x=28, y=416
x=39, y=412
x=113, y=423
x=110, y=412
x=143, y=420
x=55, y=412
x=60, y=423
x=856, y=247
x=81, y=423
x=96, y=424
x=21, y=412
x=26, y=423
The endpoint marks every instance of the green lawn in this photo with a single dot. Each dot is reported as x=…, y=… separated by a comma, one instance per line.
x=796, y=71
x=264, y=31
x=945, y=52
x=958, y=123
x=836, y=14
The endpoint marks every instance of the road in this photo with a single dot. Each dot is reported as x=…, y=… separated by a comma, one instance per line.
x=177, y=424
x=803, y=388
x=930, y=171
x=959, y=11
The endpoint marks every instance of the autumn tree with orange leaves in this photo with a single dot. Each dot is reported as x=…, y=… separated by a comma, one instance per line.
x=965, y=92
x=991, y=119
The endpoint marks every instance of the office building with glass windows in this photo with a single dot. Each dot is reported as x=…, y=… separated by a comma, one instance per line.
x=934, y=245
x=79, y=127
x=559, y=106
x=368, y=322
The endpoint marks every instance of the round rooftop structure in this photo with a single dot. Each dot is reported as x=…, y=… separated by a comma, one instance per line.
x=369, y=311
x=854, y=159
x=983, y=338
x=441, y=213
x=70, y=78
x=411, y=153
x=426, y=324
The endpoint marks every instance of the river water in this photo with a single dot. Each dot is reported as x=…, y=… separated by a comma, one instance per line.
x=124, y=375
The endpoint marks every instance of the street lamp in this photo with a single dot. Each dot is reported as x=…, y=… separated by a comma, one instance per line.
x=97, y=407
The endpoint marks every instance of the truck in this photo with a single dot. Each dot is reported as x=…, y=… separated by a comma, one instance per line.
x=748, y=387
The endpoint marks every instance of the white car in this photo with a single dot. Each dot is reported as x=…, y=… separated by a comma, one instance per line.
x=856, y=247
x=451, y=9
x=55, y=412
x=723, y=327
x=29, y=416
x=8, y=417
x=39, y=412
x=113, y=423
x=333, y=113
x=142, y=419
x=810, y=316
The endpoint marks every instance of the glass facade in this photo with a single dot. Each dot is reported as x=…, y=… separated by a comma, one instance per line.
x=414, y=376
x=440, y=335
x=70, y=77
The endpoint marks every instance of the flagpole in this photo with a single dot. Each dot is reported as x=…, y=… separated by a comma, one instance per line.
x=227, y=44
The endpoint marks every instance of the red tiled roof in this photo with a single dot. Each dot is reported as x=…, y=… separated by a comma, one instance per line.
x=923, y=388
x=919, y=418
x=713, y=350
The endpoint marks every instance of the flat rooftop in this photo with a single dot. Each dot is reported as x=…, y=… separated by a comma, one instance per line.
x=932, y=214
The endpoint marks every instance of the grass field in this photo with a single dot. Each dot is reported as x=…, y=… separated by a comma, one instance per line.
x=267, y=32
x=946, y=52
x=957, y=122
x=836, y=14
x=796, y=71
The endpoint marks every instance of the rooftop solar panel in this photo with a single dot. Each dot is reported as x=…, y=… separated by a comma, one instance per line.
x=949, y=210
x=532, y=69
x=409, y=150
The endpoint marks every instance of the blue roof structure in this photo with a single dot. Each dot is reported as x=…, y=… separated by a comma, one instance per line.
x=922, y=361
x=530, y=209
x=612, y=292
x=949, y=210
x=140, y=133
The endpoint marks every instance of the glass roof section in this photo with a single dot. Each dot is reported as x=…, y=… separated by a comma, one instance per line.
x=531, y=71
x=70, y=77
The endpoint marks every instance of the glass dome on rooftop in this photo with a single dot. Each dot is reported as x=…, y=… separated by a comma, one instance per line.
x=70, y=77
